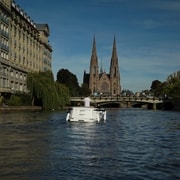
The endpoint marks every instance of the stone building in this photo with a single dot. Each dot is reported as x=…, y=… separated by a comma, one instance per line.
x=99, y=82
x=24, y=47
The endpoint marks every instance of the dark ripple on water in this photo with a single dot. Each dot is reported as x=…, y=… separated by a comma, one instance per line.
x=132, y=144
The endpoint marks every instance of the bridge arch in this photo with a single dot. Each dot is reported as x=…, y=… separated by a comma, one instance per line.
x=122, y=101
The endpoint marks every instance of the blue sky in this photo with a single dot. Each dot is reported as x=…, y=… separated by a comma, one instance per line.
x=147, y=36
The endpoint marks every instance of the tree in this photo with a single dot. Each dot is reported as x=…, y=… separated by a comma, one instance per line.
x=172, y=78
x=156, y=87
x=85, y=91
x=173, y=81
x=67, y=78
x=63, y=93
x=45, y=92
x=168, y=88
x=155, y=84
x=19, y=99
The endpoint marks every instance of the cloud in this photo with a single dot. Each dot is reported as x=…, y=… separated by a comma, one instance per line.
x=147, y=36
x=171, y=5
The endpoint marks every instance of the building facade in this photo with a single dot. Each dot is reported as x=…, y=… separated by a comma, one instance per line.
x=98, y=81
x=24, y=47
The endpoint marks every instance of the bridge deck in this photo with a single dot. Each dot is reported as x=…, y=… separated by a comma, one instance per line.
x=97, y=99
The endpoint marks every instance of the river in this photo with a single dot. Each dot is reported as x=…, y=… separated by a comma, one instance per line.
x=132, y=144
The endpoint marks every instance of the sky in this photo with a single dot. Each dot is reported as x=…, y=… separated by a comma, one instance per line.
x=147, y=36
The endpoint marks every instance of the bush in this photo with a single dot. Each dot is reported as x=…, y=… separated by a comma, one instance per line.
x=19, y=100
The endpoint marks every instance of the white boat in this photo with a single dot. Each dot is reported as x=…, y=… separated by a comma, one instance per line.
x=86, y=114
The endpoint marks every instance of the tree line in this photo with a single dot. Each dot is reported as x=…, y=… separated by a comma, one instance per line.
x=44, y=91
x=169, y=88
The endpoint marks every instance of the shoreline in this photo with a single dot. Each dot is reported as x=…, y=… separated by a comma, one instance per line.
x=39, y=108
x=20, y=108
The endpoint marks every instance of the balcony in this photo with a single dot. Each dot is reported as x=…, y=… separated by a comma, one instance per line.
x=5, y=20
x=5, y=47
x=5, y=34
x=6, y=90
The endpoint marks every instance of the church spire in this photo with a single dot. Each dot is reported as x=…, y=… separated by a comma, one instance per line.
x=94, y=69
x=114, y=71
x=114, y=58
x=94, y=53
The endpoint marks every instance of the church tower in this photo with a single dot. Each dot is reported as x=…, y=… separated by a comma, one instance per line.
x=101, y=82
x=114, y=72
x=94, y=70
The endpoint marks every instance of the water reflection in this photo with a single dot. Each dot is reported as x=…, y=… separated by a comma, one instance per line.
x=132, y=144
x=24, y=143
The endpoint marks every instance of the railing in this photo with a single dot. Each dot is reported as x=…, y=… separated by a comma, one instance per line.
x=99, y=99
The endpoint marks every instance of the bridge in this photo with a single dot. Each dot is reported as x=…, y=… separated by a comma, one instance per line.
x=122, y=101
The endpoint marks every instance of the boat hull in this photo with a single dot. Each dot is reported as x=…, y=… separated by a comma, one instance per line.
x=86, y=114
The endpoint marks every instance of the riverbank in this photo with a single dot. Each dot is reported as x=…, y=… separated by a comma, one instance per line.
x=177, y=105
x=20, y=108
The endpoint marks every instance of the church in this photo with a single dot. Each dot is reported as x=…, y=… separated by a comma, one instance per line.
x=100, y=82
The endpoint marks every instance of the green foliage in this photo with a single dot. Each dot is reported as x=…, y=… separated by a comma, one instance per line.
x=170, y=87
x=67, y=78
x=85, y=91
x=44, y=91
x=155, y=85
x=19, y=99
x=172, y=78
x=173, y=88
x=63, y=92
x=15, y=101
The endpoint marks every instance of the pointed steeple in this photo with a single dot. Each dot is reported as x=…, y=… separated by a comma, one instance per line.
x=94, y=53
x=94, y=58
x=114, y=71
x=94, y=69
x=114, y=58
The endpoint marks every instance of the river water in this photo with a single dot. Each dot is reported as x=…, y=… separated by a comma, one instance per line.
x=132, y=144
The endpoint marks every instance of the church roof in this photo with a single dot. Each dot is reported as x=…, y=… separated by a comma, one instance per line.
x=86, y=78
x=101, y=74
